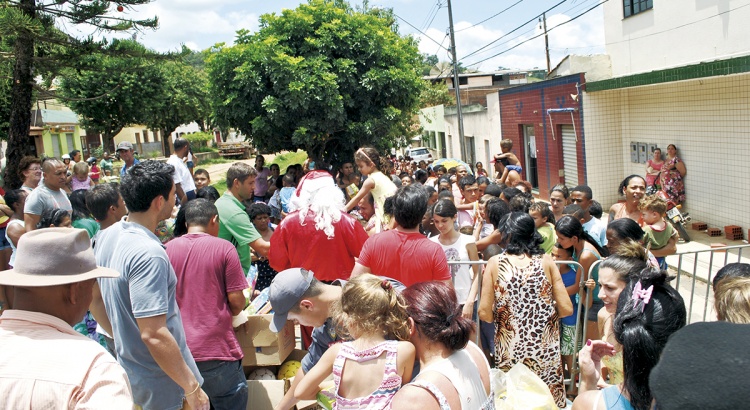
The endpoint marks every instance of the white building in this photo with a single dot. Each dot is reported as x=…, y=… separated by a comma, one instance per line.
x=681, y=75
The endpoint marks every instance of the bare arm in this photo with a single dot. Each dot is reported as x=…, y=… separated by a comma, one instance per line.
x=30, y=221
x=180, y=193
x=359, y=269
x=14, y=232
x=309, y=386
x=260, y=246
x=488, y=292
x=669, y=249
x=468, y=311
x=237, y=302
x=98, y=311
x=493, y=238
x=289, y=400
x=366, y=188
x=680, y=167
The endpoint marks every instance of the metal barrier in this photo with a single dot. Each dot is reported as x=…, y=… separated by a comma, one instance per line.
x=705, y=263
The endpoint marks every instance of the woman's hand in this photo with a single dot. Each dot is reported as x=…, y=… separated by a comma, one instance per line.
x=590, y=362
x=468, y=310
x=590, y=284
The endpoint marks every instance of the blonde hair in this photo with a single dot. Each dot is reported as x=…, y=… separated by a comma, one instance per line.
x=371, y=304
x=81, y=168
x=732, y=300
x=653, y=203
x=506, y=143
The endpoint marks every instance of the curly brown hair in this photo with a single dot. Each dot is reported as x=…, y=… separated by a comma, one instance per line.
x=370, y=304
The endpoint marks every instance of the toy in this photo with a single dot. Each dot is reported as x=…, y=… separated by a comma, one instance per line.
x=288, y=369
x=261, y=374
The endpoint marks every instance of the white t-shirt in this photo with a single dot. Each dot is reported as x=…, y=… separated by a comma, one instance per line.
x=181, y=173
x=461, y=274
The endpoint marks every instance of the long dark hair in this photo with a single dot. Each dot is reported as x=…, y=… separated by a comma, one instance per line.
x=519, y=234
x=445, y=208
x=78, y=203
x=435, y=310
x=643, y=330
x=570, y=226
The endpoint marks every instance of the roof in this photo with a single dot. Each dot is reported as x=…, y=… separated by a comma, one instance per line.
x=58, y=117
x=492, y=73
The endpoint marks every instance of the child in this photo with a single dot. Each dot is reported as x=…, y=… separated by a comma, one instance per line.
x=370, y=165
x=508, y=159
x=94, y=173
x=544, y=221
x=201, y=178
x=657, y=230
x=483, y=228
x=80, y=178
x=260, y=214
x=570, y=279
x=369, y=370
x=286, y=193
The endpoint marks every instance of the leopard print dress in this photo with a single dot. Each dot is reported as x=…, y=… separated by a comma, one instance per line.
x=527, y=327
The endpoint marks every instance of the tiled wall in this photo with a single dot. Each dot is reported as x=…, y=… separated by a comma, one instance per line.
x=707, y=119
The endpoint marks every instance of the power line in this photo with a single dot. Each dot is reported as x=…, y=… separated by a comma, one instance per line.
x=489, y=18
x=420, y=31
x=439, y=6
x=431, y=15
x=512, y=31
x=538, y=35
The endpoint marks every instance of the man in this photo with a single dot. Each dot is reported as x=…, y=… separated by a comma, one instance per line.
x=404, y=253
x=44, y=362
x=234, y=224
x=296, y=295
x=583, y=196
x=106, y=164
x=141, y=304
x=208, y=270
x=461, y=172
x=48, y=195
x=261, y=179
x=318, y=235
x=125, y=149
x=183, y=179
x=467, y=208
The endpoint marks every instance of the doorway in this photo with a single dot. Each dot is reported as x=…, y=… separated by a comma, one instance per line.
x=530, y=154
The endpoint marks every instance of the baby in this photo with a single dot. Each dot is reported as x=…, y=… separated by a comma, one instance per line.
x=508, y=159
x=657, y=230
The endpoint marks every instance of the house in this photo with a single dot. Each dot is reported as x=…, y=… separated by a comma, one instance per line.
x=55, y=130
x=680, y=75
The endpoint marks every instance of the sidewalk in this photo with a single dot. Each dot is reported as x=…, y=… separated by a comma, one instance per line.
x=697, y=265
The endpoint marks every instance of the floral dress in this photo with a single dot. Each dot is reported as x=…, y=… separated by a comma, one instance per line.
x=527, y=327
x=671, y=181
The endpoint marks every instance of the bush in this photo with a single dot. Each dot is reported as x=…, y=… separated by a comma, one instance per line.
x=199, y=140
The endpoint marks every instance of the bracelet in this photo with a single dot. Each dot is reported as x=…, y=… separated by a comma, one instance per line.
x=196, y=389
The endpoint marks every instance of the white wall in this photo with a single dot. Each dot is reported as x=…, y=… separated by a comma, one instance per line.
x=482, y=125
x=709, y=122
x=653, y=40
x=185, y=129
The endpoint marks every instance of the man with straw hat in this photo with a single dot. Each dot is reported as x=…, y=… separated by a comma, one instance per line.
x=44, y=363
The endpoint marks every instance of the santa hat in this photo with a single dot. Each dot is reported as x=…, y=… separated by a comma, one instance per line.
x=309, y=184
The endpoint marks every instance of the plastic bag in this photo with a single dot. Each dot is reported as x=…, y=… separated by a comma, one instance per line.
x=520, y=389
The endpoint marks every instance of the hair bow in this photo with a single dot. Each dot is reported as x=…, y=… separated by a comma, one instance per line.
x=642, y=294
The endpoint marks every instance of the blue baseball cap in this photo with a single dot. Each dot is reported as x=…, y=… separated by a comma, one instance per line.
x=286, y=292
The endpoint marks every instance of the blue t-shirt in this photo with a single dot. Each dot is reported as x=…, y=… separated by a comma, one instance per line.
x=597, y=229
x=145, y=288
x=569, y=278
x=124, y=168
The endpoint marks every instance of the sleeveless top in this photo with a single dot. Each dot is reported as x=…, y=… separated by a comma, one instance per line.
x=384, y=187
x=76, y=184
x=462, y=372
x=613, y=399
x=594, y=273
x=7, y=238
x=390, y=384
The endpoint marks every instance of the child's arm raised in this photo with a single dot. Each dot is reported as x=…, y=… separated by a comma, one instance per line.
x=366, y=188
x=309, y=386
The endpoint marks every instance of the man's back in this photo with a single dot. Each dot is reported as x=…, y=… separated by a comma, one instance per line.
x=44, y=361
x=407, y=257
x=146, y=288
x=207, y=269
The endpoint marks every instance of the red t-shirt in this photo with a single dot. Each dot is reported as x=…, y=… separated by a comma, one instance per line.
x=407, y=257
x=303, y=246
x=207, y=269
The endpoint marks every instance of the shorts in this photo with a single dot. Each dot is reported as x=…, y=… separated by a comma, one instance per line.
x=4, y=244
x=516, y=168
x=190, y=164
x=594, y=310
x=567, y=340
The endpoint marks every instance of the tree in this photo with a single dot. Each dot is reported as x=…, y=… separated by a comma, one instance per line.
x=436, y=94
x=322, y=77
x=41, y=48
x=429, y=61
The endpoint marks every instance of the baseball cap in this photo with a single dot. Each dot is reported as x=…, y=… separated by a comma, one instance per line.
x=285, y=293
x=125, y=145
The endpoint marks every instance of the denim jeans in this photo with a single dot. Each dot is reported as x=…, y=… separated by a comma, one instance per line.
x=224, y=383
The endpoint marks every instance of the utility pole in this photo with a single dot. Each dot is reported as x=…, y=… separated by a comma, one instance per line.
x=546, y=42
x=456, y=86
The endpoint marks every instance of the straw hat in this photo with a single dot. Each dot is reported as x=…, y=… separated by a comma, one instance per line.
x=54, y=256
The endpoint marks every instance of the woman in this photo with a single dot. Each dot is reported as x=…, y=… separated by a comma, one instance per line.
x=82, y=218
x=632, y=188
x=459, y=248
x=30, y=172
x=454, y=372
x=15, y=199
x=481, y=172
x=623, y=230
x=273, y=179
x=653, y=168
x=558, y=199
x=586, y=251
x=524, y=295
x=649, y=311
x=348, y=180
x=672, y=173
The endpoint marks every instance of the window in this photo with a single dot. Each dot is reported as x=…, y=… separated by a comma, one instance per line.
x=633, y=7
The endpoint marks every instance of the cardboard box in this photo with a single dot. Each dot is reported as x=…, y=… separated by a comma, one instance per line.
x=261, y=346
x=266, y=394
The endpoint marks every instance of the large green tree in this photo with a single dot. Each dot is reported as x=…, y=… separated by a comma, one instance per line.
x=42, y=47
x=322, y=77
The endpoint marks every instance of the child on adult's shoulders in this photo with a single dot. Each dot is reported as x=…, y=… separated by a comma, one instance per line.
x=508, y=159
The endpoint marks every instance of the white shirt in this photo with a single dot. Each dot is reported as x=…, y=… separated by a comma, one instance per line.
x=462, y=274
x=181, y=173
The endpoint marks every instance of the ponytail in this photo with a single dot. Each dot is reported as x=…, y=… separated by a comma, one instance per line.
x=370, y=155
x=570, y=226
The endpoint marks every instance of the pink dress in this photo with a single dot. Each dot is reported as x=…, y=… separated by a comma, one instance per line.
x=76, y=184
x=382, y=396
x=651, y=179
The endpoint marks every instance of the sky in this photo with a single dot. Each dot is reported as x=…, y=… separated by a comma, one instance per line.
x=199, y=24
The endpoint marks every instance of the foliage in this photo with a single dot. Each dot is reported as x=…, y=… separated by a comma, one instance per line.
x=200, y=138
x=154, y=154
x=98, y=152
x=429, y=61
x=322, y=77
x=436, y=94
x=285, y=159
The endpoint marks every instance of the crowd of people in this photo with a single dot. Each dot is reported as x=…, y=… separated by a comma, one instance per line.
x=378, y=260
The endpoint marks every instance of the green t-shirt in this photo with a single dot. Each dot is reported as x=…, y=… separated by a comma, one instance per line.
x=105, y=165
x=236, y=227
x=657, y=239
x=548, y=233
x=89, y=225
